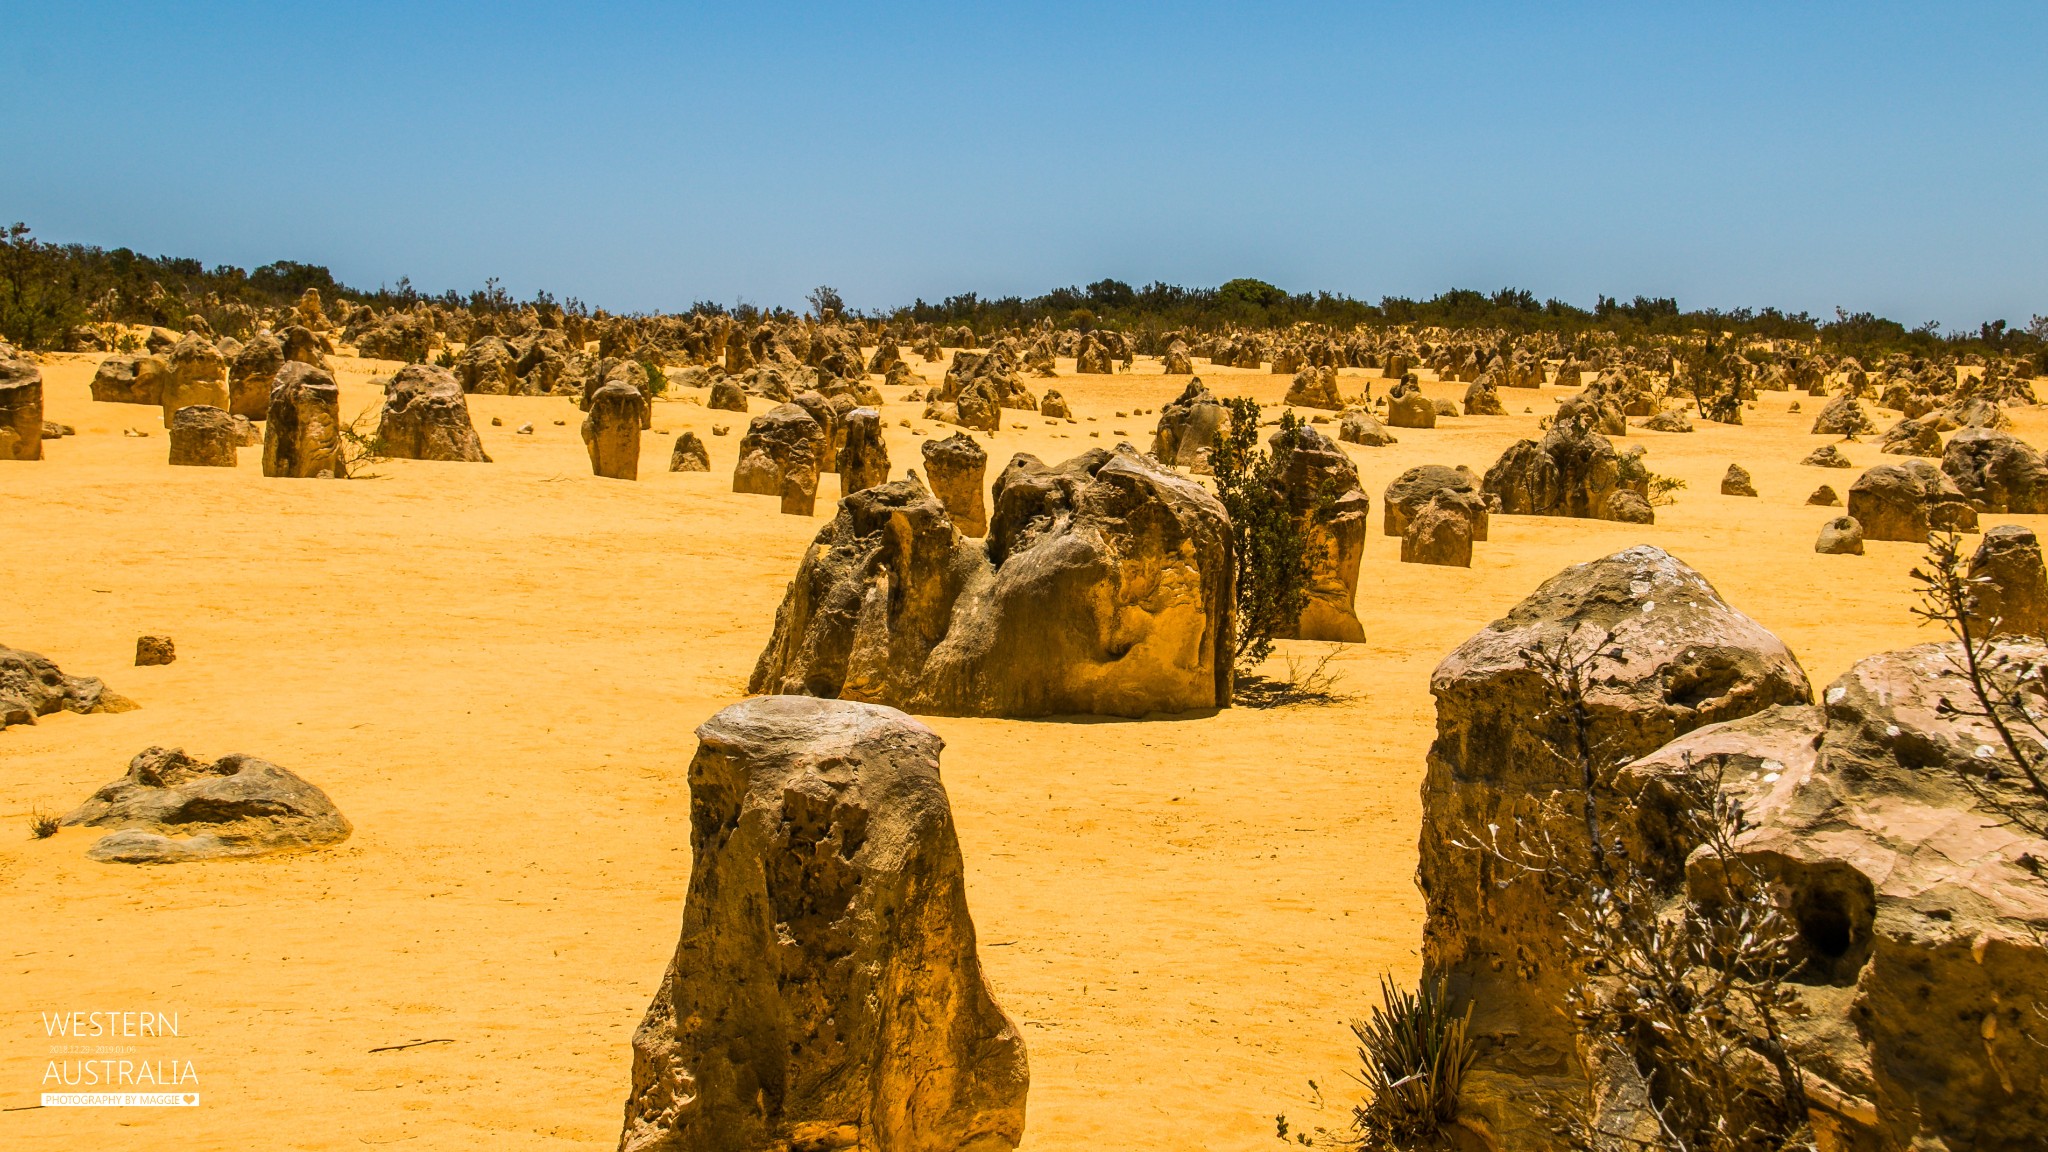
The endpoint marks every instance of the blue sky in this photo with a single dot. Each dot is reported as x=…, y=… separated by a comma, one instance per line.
x=1873, y=156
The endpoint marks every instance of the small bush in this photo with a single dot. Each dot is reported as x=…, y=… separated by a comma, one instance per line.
x=1415, y=1050
x=1268, y=543
x=657, y=380
x=1663, y=489
x=41, y=824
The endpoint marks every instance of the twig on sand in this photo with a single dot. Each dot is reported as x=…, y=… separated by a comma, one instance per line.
x=414, y=1044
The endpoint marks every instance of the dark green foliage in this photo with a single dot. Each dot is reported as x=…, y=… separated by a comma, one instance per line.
x=1271, y=551
x=657, y=380
x=37, y=305
x=1415, y=1053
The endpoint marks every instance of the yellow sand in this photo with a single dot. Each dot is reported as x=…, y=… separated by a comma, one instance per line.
x=494, y=670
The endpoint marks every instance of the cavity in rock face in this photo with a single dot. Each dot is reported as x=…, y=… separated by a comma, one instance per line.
x=1674, y=657
x=826, y=992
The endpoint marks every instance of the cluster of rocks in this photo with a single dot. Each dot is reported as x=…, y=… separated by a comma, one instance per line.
x=1104, y=587
x=1863, y=808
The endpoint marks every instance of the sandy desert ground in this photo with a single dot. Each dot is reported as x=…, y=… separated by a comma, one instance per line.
x=494, y=670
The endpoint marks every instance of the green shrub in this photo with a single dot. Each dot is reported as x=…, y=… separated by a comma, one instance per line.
x=1415, y=1051
x=1269, y=546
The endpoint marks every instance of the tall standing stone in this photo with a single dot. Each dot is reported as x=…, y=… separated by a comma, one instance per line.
x=826, y=992
x=302, y=432
x=864, y=461
x=957, y=469
x=779, y=457
x=611, y=432
x=198, y=375
x=21, y=410
x=1321, y=485
x=251, y=373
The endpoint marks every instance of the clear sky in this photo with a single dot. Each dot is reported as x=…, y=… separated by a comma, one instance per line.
x=1886, y=157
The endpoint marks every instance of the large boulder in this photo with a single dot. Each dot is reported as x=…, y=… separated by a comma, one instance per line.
x=1188, y=427
x=198, y=374
x=1416, y=487
x=1331, y=512
x=1104, y=588
x=32, y=686
x=1572, y=471
x=726, y=396
x=1667, y=655
x=1315, y=387
x=21, y=410
x=487, y=366
x=689, y=454
x=1919, y=960
x=170, y=808
x=1176, y=361
x=251, y=373
x=1841, y=536
x=864, y=460
x=1843, y=416
x=130, y=380
x=611, y=430
x=203, y=436
x=1907, y=500
x=825, y=992
x=779, y=457
x=1410, y=409
x=957, y=468
x=2008, y=585
x=1996, y=471
x=1360, y=426
x=1920, y=436
x=302, y=433
x=426, y=417
x=1439, y=533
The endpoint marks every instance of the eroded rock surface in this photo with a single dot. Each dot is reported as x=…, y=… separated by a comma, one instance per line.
x=825, y=992
x=426, y=417
x=1104, y=587
x=170, y=808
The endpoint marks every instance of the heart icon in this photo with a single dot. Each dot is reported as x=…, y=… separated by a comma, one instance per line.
x=191, y=1099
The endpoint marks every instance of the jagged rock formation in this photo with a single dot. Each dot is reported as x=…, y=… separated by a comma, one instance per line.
x=21, y=409
x=779, y=457
x=302, y=432
x=1843, y=416
x=251, y=373
x=1919, y=956
x=689, y=455
x=1409, y=408
x=2009, y=587
x=1440, y=532
x=1188, y=427
x=957, y=468
x=864, y=461
x=426, y=417
x=1572, y=471
x=32, y=686
x=1736, y=482
x=170, y=809
x=1105, y=587
x=1905, y=501
x=1315, y=387
x=1415, y=488
x=1996, y=471
x=1827, y=456
x=1673, y=657
x=825, y=992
